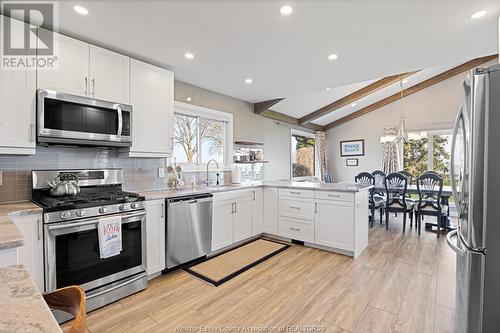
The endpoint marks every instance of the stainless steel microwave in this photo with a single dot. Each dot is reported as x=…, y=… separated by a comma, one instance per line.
x=78, y=120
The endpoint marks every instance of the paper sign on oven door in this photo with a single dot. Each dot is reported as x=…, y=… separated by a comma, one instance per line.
x=110, y=236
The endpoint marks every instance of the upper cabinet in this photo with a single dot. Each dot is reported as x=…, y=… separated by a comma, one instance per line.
x=17, y=107
x=152, y=99
x=109, y=75
x=71, y=74
x=87, y=70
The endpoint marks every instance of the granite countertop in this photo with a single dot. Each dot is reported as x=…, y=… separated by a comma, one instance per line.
x=22, y=307
x=338, y=187
x=10, y=236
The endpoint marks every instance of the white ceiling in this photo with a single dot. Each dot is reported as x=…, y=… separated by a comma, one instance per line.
x=287, y=56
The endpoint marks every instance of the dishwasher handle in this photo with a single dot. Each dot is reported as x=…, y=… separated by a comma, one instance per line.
x=191, y=199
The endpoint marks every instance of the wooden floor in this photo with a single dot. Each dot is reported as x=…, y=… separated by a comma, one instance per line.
x=401, y=283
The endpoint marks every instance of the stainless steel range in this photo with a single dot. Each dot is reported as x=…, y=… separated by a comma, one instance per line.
x=71, y=238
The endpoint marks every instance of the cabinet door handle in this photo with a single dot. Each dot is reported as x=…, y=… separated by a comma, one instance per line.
x=334, y=195
x=232, y=208
x=93, y=87
x=294, y=207
x=316, y=207
x=32, y=132
x=253, y=195
x=162, y=210
x=38, y=228
x=235, y=207
x=294, y=229
x=86, y=86
x=298, y=193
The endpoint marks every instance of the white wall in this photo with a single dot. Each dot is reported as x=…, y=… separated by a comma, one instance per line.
x=433, y=108
x=248, y=126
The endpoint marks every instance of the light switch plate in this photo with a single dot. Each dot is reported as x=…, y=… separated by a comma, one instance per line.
x=161, y=172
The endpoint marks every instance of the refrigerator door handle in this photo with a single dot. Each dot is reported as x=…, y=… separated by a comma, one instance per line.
x=453, y=246
x=452, y=159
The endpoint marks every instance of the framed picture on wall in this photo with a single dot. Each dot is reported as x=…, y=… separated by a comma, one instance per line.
x=351, y=162
x=352, y=148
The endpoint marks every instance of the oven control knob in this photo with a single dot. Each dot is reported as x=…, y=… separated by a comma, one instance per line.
x=103, y=210
x=122, y=207
x=134, y=206
x=81, y=212
x=65, y=215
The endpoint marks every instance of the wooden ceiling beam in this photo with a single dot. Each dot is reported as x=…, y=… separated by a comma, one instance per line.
x=289, y=120
x=265, y=105
x=413, y=89
x=353, y=97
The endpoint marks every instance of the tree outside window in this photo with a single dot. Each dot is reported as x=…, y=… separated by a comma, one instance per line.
x=197, y=139
x=303, y=156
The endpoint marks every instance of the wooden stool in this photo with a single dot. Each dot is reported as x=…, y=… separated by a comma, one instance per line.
x=71, y=300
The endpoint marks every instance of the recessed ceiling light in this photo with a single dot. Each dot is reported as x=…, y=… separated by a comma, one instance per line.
x=404, y=81
x=188, y=55
x=353, y=104
x=81, y=10
x=478, y=14
x=328, y=89
x=332, y=57
x=248, y=81
x=286, y=10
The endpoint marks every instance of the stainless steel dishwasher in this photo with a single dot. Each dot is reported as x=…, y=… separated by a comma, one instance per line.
x=188, y=229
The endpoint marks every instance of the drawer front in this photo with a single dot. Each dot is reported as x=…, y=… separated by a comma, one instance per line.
x=296, y=229
x=235, y=195
x=330, y=195
x=296, y=208
x=297, y=193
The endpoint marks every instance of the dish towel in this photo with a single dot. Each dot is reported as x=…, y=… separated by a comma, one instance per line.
x=110, y=236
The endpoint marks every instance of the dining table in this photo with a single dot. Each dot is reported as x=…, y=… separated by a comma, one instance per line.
x=446, y=193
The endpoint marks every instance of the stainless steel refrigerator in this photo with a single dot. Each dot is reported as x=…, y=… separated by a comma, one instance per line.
x=475, y=175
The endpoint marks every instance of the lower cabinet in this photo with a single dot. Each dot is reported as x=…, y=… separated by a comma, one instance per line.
x=222, y=224
x=302, y=230
x=334, y=224
x=257, y=212
x=231, y=218
x=31, y=253
x=155, y=236
x=270, y=199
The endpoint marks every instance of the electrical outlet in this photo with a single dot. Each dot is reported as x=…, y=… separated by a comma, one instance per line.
x=161, y=172
x=1, y=178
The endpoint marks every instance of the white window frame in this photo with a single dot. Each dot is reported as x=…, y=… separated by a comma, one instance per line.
x=207, y=113
x=308, y=135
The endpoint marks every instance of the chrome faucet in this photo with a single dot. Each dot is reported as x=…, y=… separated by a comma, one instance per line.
x=217, y=164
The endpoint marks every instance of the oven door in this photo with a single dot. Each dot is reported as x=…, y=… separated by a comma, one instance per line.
x=66, y=118
x=72, y=253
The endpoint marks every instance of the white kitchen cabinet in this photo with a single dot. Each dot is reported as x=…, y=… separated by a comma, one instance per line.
x=155, y=236
x=152, y=99
x=17, y=107
x=270, y=198
x=109, y=75
x=242, y=219
x=31, y=253
x=257, y=211
x=222, y=224
x=334, y=224
x=302, y=230
x=71, y=74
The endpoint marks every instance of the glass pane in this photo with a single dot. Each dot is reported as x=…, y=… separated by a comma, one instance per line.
x=76, y=117
x=441, y=156
x=303, y=156
x=415, y=156
x=212, y=140
x=185, y=138
x=78, y=260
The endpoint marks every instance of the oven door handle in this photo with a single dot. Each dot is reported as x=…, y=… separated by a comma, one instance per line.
x=93, y=221
x=138, y=277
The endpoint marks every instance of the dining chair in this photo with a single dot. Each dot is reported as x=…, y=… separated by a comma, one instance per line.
x=396, y=186
x=70, y=300
x=379, y=190
x=374, y=203
x=408, y=195
x=430, y=188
